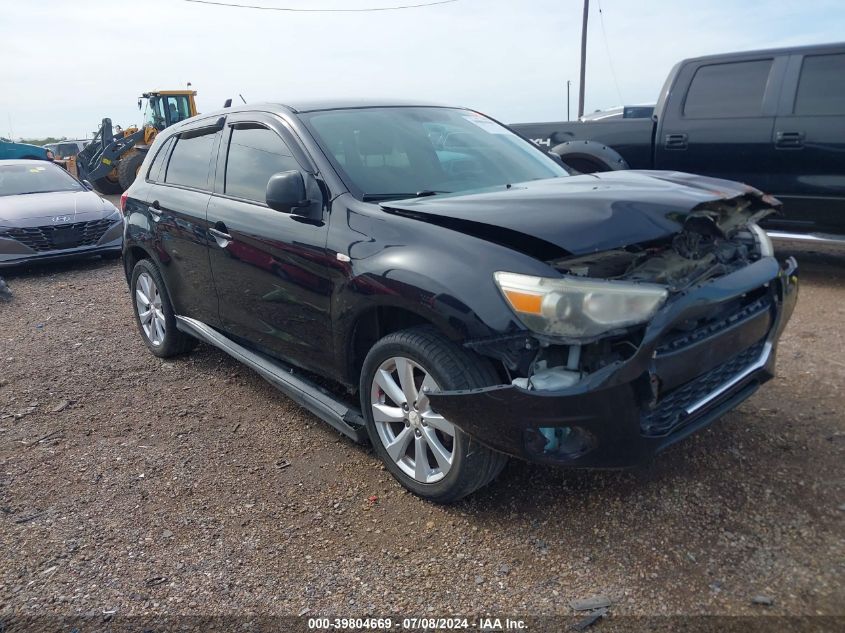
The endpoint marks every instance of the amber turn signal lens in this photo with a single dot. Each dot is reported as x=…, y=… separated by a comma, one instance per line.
x=525, y=302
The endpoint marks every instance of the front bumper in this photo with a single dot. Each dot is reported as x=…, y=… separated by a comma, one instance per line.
x=626, y=412
x=15, y=253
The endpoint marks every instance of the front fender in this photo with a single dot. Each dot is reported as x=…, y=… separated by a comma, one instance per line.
x=441, y=275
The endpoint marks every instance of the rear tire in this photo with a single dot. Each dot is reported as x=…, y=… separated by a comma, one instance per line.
x=127, y=169
x=154, y=314
x=424, y=452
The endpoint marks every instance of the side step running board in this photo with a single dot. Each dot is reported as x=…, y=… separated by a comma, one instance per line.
x=318, y=401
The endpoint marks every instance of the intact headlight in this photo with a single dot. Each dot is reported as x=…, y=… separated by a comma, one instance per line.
x=579, y=308
x=764, y=242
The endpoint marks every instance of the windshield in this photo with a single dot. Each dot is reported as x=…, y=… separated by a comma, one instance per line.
x=384, y=153
x=22, y=179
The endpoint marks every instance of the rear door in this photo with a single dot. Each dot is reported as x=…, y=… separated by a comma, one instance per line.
x=178, y=189
x=809, y=143
x=269, y=267
x=720, y=124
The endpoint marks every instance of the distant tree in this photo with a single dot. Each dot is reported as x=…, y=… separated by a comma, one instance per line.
x=43, y=141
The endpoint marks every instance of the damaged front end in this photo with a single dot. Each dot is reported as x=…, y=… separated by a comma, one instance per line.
x=633, y=348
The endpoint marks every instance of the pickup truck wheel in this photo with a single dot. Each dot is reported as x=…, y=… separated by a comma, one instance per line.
x=154, y=314
x=427, y=454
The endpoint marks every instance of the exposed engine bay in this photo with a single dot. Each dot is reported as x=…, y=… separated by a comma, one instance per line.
x=715, y=241
x=717, y=238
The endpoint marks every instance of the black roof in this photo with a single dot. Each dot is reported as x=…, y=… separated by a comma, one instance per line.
x=299, y=106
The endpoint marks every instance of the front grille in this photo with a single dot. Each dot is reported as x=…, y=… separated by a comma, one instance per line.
x=671, y=411
x=59, y=236
x=705, y=330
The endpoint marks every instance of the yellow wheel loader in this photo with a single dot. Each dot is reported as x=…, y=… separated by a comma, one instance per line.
x=112, y=160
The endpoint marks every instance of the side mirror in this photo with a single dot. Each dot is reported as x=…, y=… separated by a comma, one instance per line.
x=286, y=191
x=88, y=185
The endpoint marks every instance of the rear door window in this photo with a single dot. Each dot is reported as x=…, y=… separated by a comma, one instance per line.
x=189, y=162
x=821, y=88
x=728, y=90
x=255, y=154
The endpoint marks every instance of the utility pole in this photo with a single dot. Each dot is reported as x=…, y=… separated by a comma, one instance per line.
x=568, y=83
x=583, y=57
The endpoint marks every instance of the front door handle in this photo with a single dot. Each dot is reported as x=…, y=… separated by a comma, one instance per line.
x=789, y=140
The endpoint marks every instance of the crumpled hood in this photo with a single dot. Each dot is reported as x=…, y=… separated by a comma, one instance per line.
x=37, y=209
x=580, y=214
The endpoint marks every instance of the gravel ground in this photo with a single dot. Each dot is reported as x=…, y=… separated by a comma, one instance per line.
x=135, y=485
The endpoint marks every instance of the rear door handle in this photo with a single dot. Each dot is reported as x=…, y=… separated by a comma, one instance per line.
x=155, y=209
x=220, y=235
x=675, y=141
x=789, y=140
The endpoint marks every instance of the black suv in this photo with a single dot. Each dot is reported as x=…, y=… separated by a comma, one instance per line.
x=479, y=300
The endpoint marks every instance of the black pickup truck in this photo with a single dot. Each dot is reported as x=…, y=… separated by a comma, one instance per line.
x=774, y=119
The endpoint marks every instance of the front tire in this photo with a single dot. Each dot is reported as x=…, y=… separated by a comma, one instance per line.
x=425, y=452
x=107, y=187
x=154, y=314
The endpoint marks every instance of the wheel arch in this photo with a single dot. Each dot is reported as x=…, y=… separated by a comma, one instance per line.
x=377, y=321
x=590, y=156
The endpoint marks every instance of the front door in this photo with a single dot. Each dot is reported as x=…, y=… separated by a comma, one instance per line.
x=269, y=267
x=721, y=127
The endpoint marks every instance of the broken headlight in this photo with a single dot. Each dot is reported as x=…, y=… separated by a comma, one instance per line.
x=579, y=308
x=764, y=242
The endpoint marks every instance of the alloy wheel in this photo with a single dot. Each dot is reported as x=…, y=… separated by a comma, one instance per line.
x=418, y=440
x=150, y=311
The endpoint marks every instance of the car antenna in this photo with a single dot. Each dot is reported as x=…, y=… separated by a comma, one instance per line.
x=227, y=103
x=242, y=98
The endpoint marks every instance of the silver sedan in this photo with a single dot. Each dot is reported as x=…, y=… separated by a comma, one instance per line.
x=47, y=214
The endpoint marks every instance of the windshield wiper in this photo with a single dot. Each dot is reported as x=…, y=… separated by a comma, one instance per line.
x=375, y=197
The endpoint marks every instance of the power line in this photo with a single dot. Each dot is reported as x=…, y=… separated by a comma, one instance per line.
x=292, y=10
x=609, y=60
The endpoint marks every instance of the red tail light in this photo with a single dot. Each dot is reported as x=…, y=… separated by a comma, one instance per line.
x=123, y=203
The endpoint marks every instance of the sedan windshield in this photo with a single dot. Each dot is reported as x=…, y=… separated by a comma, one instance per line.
x=402, y=152
x=35, y=178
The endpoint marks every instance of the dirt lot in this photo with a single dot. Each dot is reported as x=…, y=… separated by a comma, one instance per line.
x=142, y=486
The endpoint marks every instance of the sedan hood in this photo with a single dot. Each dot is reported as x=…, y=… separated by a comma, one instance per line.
x=580, y=214
x=37, y=209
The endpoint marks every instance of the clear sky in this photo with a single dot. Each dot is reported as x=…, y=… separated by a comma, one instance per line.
x=66, y=64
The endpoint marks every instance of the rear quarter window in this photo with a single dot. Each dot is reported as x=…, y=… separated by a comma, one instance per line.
x=729, y=90
x=155, y=172
x=821, y=88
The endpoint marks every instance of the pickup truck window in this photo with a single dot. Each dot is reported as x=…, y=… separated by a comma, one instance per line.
x=255, y=154
x=730, y=90
x=397, y=152
x=821, y=89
